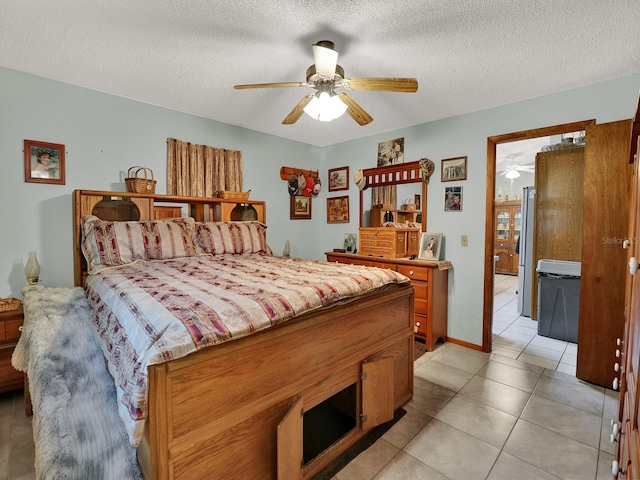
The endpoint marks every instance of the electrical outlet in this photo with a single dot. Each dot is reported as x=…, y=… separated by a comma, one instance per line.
x=464, y=240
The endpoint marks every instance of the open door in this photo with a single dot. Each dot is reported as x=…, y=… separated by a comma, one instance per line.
x=290, y=443
x=377, y=392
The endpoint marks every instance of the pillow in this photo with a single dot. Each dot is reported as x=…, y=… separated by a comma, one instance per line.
x=109, y=244
x=232, y=237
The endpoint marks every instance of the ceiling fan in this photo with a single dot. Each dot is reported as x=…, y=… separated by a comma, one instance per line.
x=327, y=78
x=513, y=171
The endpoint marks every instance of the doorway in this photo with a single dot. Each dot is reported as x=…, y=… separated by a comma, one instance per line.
x=490, y=240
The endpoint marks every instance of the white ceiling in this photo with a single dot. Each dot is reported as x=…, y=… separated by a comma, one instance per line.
x=186, y=55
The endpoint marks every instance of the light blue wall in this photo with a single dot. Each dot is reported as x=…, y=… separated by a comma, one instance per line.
x=104, y=135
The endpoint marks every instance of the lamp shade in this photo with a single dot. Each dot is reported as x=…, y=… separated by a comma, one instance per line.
x=326, y=60
x=325, y=107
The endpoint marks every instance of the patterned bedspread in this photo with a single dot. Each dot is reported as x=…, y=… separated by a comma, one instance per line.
x=152, y=312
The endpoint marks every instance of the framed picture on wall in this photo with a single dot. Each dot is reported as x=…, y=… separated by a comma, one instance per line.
x=43, y=162
x=453, y=199
x=430, y=244
x=453, y=169
x=338, y=209
x=300, y=207
x=391, y=152
x=338, y=179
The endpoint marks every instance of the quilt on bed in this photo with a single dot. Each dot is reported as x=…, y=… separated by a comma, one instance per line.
x=152, y=312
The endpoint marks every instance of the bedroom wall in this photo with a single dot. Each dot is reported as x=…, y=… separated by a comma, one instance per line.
x=104, y=135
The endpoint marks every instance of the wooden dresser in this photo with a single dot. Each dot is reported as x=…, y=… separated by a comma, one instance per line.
x=430, y=289
x=10, y=323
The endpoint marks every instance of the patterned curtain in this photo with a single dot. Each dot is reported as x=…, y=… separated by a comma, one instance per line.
x=387, y=195
x=200, y=170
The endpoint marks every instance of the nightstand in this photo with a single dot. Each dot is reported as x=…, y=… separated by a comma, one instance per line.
x=10, y=323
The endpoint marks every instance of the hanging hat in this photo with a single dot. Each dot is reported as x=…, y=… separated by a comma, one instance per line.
x=316, y=184
x=308, y=189
x=292, y=185
x=302, y=182
x=360, y=180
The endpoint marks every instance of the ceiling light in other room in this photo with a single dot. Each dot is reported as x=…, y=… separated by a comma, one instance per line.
x=325, y=107
x=512, y=174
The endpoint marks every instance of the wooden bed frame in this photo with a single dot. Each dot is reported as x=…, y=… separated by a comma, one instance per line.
x=236, y=410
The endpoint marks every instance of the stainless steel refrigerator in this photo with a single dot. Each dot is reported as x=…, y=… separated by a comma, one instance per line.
x=525, y=248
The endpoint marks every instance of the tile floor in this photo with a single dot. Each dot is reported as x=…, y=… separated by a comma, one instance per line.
x=517, y=413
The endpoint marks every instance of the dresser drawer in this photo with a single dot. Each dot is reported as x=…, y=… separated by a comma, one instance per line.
x=420, y=306
x=12, y=329
x=420, y=289
x=414, y=272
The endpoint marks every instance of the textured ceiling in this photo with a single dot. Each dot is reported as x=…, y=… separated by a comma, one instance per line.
x=187, y=55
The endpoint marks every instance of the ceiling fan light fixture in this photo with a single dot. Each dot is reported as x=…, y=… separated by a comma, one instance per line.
x=511, y=174
x=326, y=59
x=325, y=107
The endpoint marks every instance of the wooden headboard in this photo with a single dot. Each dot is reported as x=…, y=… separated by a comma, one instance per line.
x=148, y=207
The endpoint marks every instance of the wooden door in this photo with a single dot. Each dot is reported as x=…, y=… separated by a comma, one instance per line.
x=557, y=222
x=607, y=192
x=290, y=443
x=377, y=392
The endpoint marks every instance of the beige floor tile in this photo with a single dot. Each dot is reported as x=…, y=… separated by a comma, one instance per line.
x=552, y=452
x=468, y=361
x=568, y=421
x=497, y=395
x=485, y=423
x=509, y=467
x=443, y=375
x=405, y=467
x=583, y=396
x=540, y=361
x=428, y=398
x=453, y=453
x=366, y=465
x=509, y=375
x=406, y=428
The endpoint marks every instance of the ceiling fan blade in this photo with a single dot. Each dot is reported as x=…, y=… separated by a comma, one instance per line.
x=355, y=111
x=270, y=85
x=408, y=85
x=297, y=111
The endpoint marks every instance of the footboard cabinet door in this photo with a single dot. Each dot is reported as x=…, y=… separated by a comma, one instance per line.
x=290, y=458
x=377, y=392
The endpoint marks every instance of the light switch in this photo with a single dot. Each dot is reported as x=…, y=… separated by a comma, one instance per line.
x=464, y=240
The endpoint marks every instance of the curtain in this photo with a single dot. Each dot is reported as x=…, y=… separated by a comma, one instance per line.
x=200, y=170
x=387, y=195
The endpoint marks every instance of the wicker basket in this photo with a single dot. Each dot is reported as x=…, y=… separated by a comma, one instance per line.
x=232, y=195
x=141, y=181
x=9, y=304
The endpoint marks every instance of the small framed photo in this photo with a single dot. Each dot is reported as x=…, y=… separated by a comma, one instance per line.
x=390, y=152
x=350, y=242
x=338, y=179
x=453, y=199
x=430, y=244
x=338, y=209
x=43, y=162
x=454, y=169
x=300, y=207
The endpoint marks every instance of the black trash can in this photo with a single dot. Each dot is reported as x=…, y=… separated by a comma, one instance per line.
x=558, y=299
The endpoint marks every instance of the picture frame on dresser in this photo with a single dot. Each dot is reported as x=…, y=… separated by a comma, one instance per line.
x=430, y=246
x=44, y=162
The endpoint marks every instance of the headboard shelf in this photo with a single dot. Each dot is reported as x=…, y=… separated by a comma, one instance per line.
x=150, y=207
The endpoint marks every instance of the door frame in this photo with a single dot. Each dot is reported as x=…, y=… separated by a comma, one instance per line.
x=489, y=242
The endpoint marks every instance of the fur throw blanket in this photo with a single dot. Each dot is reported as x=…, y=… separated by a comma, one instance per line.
x=77, y=431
